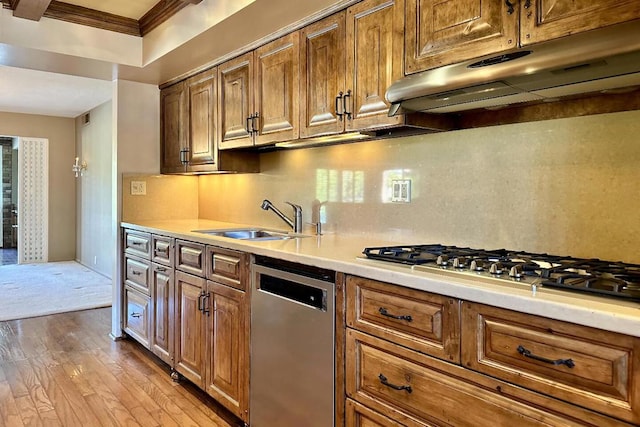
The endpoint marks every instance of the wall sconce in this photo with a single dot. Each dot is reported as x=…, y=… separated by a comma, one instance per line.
x=79, y=168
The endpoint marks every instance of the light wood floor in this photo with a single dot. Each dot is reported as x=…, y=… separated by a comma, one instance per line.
x=63, y=370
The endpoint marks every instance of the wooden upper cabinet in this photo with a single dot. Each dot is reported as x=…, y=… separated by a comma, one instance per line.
x=174, y=116
x=258, y=95
x=322, y=76
x=235, y=102
x=375, y=30
x=202, y=118
x=445, y=32
x=277, y=91
x=543, y=20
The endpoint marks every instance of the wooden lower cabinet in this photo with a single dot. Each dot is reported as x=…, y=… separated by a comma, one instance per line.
x=227, y=374
x=162, y=319
x=595, y=369
x=412, y=388
x=358, y=415
x=190, y=327
x=136, y=315
x=211, y=340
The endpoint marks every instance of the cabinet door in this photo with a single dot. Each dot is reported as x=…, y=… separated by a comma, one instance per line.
x=322, y=76
x=549, y=19
x=202, y=118
x=174, y=116
x=441, y=32
x=375, y=31
x=190, y=327
x=227, y=363
x=136, y=316
x=277, y=90
x=162, y=320
x=235, y=102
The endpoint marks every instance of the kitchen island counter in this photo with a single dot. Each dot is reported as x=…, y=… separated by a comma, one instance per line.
x=343, y=253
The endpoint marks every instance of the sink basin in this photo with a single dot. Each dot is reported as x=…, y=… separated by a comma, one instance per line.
x=250, y=234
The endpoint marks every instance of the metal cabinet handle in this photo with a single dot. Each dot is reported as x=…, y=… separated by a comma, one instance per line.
x=249, y=127
x=510, y=5
x=205, y=303
x=254, y=122
x=136, y=315
x=384, y=312
x=527, y=353
x=384, y=381
x=136, y=243
x=347, y=113
x=200, y=301
x=161, y=269
x=136, y=273
x=338, y=103
x=527, y=4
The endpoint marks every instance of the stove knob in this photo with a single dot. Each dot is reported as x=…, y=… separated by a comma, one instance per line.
x=476, y=265
x=442, y=260
x=460, y=262
x=496, y=268
x=516, y=271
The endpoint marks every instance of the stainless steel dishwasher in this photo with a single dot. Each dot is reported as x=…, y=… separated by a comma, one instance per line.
x=292, y=345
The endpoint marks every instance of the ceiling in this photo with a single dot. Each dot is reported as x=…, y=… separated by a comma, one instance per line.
x=41, y=81
x=31, y=91
x=133, y=9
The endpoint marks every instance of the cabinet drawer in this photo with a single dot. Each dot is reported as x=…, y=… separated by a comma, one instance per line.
x=419, y=320
x=136, y=321
x=136, y=274
x=137, y=243
x=589, y=367
x=361, y=416
x=162, y=250
x=227, y=267
x=190, y=257
x=410, y=387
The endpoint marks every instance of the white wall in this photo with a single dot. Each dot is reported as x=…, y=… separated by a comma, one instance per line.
x=136, y=149
x=95, y=247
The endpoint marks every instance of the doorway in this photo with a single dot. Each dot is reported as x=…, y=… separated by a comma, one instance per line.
x=8, y=200
x=24, y=174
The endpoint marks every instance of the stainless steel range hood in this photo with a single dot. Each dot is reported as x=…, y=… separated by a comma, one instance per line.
x=601, y=60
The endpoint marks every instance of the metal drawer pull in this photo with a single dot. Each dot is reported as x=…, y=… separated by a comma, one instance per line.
x=136, y=243
x=161, y=269
x=136, y=315
x=384, y=312
x=136, y=273
x=384, y=381
x=526, y=353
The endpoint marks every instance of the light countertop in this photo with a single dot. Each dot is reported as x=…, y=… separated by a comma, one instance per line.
x=343, y=253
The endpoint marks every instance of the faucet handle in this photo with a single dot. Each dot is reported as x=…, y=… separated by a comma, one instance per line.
x=296, y=208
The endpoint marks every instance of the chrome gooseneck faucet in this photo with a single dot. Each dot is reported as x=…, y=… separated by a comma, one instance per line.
x=296, y=225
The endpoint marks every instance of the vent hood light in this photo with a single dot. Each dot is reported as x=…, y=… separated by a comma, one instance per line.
x=594, y=61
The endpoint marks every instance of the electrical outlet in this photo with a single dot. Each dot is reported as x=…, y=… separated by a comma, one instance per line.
x=401, y=190
x=138, y=188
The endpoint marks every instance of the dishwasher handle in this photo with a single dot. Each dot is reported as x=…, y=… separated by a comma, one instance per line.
x=294, y=291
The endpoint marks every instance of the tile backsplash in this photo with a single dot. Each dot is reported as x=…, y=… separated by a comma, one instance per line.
x=566, y=186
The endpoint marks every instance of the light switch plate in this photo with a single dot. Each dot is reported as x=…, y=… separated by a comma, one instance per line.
x=401, y=190
x=138, y=188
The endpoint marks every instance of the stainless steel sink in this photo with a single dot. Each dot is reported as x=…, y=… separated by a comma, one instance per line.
x=250, y=234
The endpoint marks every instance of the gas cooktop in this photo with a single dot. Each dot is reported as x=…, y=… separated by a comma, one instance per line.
x=612, y=279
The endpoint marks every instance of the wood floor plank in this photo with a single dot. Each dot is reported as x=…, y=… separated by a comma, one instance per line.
x=42, y=367
x=9, y=415
x=64, y=370
x=28, y=412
